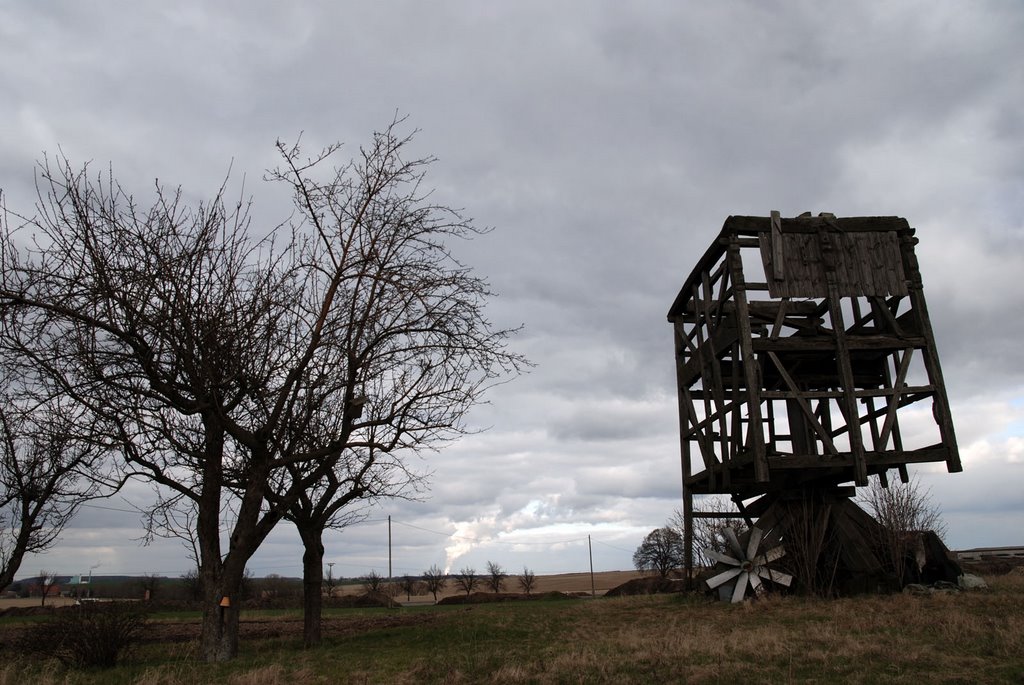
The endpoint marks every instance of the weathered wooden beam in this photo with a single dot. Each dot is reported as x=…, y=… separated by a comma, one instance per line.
x=766, y=310
x=823, y=343
x=711, y=372
x=705, y=357
x=780, y=317
x=684, y=340
x=875, y=458
x=893, y=404
x=750, y=368
x=916, y=393
x=716, y=414
x=770, y=422
x=806, y=394
x=754, y=225
x=736, y=434
x=778, y=255
x=685, y=407
x=882, y=312
x=722, y=337
x=881, y=308
x=931, y=356
x=857, y=314
x=711, y=256
x=724, y=293
x=798, y=396
x=848, y=402
x=686, y=434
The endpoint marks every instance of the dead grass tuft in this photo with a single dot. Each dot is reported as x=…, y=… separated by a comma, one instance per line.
x=20, y=673
x=166, y=676
x=276, y=674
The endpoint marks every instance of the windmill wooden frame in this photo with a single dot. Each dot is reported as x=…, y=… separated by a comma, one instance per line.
x=805, y=360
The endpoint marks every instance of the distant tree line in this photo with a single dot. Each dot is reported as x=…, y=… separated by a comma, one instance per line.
x=434, y=581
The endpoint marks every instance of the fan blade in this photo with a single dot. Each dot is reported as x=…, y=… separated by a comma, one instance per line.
x=722, y=577
x=755, y=584
x=755, y=540
x=741, y=587
x=734, y=544
x=774, y=576
x=769, y=556
x=724, y=558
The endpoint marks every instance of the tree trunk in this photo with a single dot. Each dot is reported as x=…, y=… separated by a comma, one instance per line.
x=13, y=561
x=219, y=637
x=312, y=583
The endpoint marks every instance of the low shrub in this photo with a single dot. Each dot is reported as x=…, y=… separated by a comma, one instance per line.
x=96, y=634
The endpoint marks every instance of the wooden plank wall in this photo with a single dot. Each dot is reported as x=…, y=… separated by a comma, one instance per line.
x=869, y=264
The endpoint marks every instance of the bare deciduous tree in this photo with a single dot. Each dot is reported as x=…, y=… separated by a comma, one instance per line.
x=274, y=585
x=216, y=363
x=167, y=325
x=661, y=551
x=417, y=352
x=149, y=583
x=435, y=580
x=45, y=583
x=496, y=575
x=192, y=583
x=902, y=510
x=46, y=474
x=466, y=580
x=373, y=583
x=337, y=501
x=410, y=586
x=527, y=581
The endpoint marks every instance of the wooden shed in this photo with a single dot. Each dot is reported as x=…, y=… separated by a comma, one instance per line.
x=805, y=361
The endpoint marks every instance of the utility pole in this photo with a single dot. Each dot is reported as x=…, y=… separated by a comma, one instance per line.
x=330, y=578
x=590, y=549
x=389, y=547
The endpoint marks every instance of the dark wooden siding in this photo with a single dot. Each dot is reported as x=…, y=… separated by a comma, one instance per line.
x=865, y=263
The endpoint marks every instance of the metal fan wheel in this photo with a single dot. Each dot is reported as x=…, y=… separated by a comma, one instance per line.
x=748, y=565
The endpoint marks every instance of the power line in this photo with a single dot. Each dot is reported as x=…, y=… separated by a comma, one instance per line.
x=126, y=511
x=613, y=546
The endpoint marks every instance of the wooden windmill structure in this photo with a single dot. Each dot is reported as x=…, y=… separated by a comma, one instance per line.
x=806, y=363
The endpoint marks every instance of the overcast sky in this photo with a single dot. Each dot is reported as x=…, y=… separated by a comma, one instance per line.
x=605, y=142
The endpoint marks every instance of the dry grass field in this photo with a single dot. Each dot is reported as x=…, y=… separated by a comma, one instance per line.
x=964, y=637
